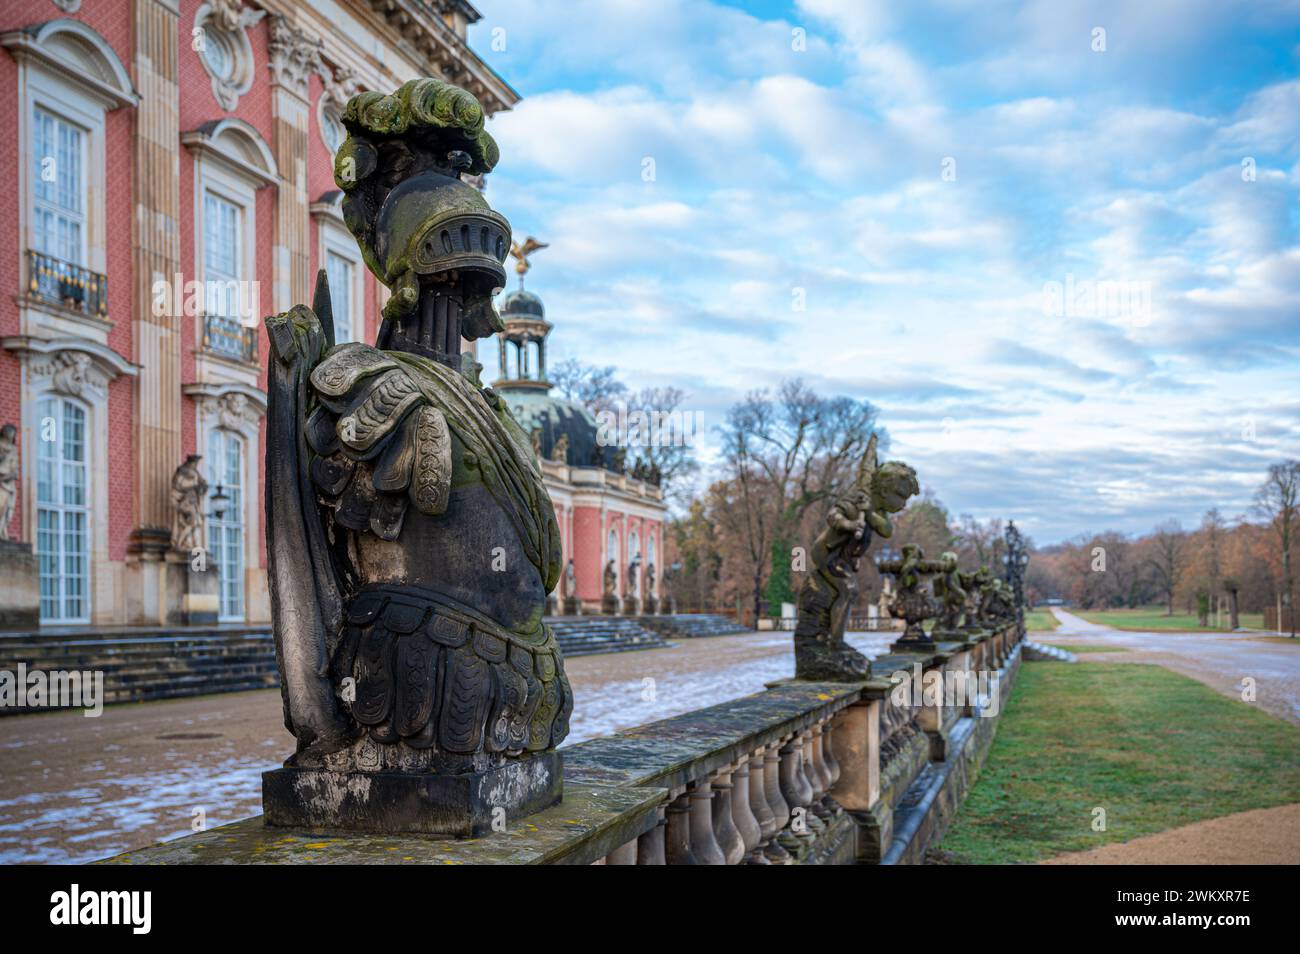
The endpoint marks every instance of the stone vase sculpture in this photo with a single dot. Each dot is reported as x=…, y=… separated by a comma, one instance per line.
x=829, y=589
x=411, y=541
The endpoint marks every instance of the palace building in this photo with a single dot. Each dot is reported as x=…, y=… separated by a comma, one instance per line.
x=173, y=165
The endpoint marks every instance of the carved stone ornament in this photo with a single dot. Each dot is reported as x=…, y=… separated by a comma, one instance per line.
x=189, y=497
x=294, y=56
x=220, y=38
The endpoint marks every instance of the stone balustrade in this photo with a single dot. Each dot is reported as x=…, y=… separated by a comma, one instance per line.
x=803, y=773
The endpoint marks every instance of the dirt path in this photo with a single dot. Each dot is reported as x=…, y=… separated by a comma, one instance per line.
x=1223, y=661
x=1265, y=836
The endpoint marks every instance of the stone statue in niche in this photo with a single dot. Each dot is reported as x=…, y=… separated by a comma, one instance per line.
x=8, y=477
x=829, y=589
x=570, y=590
x=609, y=598
x=651, y=601
x=411, y=541
x=189, y=493
x=560, y=452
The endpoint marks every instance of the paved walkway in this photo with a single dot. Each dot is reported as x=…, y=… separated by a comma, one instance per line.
x=78, y=789
x=1264, y=836
x=1223, y=661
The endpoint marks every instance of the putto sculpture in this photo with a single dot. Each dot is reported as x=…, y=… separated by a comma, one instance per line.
x=189, y=491
x=829, y=589
x=951, y=597
x=412, y=544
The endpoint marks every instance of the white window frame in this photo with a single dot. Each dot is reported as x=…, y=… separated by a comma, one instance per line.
x=85, y=509
x=211, y=178
x=336, y=241
x=215, y=472
x=40, y=87
x=81, y=217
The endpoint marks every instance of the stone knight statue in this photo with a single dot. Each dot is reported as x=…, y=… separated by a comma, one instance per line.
x=189, y=491
x=820, y=652
x=8, y=477
x=412, y=544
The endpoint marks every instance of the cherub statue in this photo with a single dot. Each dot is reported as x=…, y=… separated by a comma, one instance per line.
x=412, y=542
x=975, y=584
x=951, y=596
x=189, y=491
x=830, y=587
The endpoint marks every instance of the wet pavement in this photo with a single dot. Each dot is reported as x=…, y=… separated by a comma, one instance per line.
x=78, y=789
x=1223, y=661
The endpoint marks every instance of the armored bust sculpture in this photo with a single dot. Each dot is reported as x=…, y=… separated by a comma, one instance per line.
x=829, y=589
x=412, y=544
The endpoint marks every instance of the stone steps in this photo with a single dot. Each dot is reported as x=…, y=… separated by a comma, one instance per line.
x=151, y=663
x=593, y=635
x=1039, y=652
x=693, y=625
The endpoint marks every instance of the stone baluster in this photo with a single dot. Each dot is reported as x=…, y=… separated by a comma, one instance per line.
x=742, y=812
x=704, y=845
x=760, y=805
x=622, y=855
x=819, y=769
x=724, y=825
x=796, y=791
x=812, y=778
x=677, y=837
x=650, y=846
x=780, y=809
x=828, y=751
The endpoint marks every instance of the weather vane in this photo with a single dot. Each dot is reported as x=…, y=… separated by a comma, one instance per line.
x=521, y=253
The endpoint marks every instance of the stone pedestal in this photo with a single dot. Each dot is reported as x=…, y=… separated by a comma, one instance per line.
x=925, y=643
x=412, y=803
x=609, y=605
x=20, y=586
x=552, y=605
x=651, y=606
x=571, y=606
x=192, y=597
x=630, y=606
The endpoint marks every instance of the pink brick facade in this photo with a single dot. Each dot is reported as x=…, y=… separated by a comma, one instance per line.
x=129, y=82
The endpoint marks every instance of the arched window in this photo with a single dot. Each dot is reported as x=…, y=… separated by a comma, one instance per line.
x=62, y=511
x=225, y=465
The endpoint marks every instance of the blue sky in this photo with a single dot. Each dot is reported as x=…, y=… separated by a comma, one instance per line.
x=933, y=180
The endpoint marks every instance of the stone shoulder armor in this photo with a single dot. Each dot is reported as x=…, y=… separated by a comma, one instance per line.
x=380, y=445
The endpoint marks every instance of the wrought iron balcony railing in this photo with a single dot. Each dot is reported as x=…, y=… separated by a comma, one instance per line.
x=66, y=284
x=229, y=338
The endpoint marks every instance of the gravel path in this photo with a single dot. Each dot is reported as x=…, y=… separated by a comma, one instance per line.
x=1265, y=836
x=78, y=789
x=1223, y=661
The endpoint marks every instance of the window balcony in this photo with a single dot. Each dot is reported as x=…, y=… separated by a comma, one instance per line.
x=71, y=286
x=229, y=338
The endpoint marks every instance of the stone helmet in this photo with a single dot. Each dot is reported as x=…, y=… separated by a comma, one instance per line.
x=413, y=216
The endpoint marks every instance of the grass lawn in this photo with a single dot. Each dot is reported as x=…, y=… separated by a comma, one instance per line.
x=1079, y=650
x=1154, y=749
x=1041, y=620
x=1153, y=619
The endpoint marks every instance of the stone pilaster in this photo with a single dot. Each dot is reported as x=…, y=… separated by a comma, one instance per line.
x=155, y=240
x=294, y=57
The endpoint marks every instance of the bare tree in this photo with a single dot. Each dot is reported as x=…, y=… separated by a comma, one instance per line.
x=781, y=455
x=1277, y=501
x=1168, y=560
